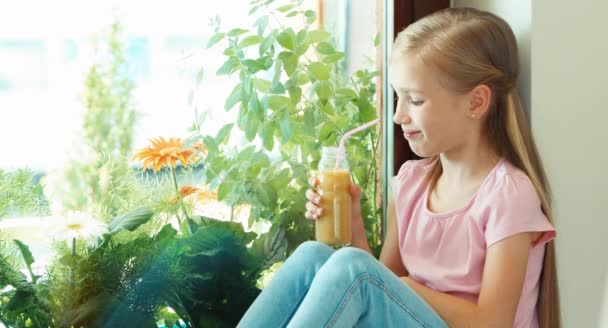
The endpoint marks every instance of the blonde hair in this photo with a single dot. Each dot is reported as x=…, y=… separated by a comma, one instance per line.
x=469, y=47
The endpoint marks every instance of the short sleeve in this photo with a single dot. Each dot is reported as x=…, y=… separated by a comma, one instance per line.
x=515, y=208
x=401, y=175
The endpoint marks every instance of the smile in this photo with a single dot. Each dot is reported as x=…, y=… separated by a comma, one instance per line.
x=411, y=134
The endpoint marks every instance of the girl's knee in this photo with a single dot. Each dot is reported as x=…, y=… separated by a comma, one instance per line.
x=313, y=249
x=349, y=260
x=352, y=255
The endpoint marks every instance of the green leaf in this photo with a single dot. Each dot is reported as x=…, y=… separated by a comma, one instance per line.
x=317, y=36
x=301, y=37
x=267, y=43
x=254, y=65
x=287, y=39
x=211, y=145
x=286, y=8
x=215, y=39
x=224, y=189
x=268, y=136
x=318, y=70
x=254, y=9
x=251, y=125
x=303, y=79
x=310, y=16
x=286, y=127
x=67, y=260
x=165, y=235
x=290, y=62
x=247, y=87
x=325, y=48
x=295, y=94
x=323, y=90
x=130, y=221
x=326, y=130
x=22, y=300
x=234, y=97
x=261, y=24
x=276, y=102
x=275, y=244
x=328, y=109
x=261, y=85
x=250, y=41
x=346, y=92
x=200, y=75
x=25, y=252
x=256, y=108
x=265, y=194
x=377, y=39
x=237, y=32
x=277, y=87
x=229, y=66
x=224, y=134
x=367, y=111
x=309, y=121
x=333, y=57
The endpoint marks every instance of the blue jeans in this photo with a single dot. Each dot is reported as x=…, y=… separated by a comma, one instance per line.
x=320, y=287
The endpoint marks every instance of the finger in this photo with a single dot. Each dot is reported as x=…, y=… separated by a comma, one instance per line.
x=310, y=216
x=313, y=181
x=313, y=196
x=314, y=209
x=355, y=191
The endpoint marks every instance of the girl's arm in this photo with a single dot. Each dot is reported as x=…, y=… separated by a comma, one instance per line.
x=503, y=279
x=390, y=255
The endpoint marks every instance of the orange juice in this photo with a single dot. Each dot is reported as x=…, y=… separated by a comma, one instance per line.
x=334, y=226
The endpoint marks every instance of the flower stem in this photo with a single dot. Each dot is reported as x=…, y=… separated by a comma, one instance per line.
x=174, y=176
x=74, y=247
x=179, y=197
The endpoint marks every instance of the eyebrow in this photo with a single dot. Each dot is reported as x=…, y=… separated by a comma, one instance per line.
x=407, y=90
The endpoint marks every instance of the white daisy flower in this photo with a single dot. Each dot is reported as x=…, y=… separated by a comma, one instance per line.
x=80, y=225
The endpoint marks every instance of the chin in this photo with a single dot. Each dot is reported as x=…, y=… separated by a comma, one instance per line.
x=422, y=151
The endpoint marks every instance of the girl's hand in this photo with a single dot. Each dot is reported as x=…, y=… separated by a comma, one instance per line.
x=314, y=209
x=313, y=206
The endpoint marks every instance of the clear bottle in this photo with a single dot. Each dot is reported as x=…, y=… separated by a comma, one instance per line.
x=334, y=226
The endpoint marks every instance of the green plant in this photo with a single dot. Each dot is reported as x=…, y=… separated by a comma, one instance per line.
x=100, y=179
x=207, y=277
x=292, y=102
x=23, y=302
x=20, y=195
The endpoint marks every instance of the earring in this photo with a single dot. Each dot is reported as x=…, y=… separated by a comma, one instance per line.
x=472, y=115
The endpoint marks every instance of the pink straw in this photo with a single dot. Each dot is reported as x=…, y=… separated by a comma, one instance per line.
x=347, y=135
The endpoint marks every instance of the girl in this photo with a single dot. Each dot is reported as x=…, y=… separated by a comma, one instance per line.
x=469, y=227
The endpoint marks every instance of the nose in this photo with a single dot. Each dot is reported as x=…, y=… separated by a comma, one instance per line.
x=401, y=116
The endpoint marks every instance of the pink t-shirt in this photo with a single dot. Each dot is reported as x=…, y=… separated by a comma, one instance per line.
x=446, y=251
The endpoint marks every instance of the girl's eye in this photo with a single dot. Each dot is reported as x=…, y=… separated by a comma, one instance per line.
x=416, y=102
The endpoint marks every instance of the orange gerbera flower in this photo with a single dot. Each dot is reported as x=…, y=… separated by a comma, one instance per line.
x=183, y=193
x=205, y=195
x=162, y=153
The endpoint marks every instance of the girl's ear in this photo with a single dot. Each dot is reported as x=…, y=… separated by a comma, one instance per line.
x=479, y=101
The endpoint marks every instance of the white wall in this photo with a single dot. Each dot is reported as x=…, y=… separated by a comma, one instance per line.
x=564, y=53
x=569, y=116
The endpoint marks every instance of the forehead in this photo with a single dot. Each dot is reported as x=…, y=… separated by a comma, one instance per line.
x=410, y=73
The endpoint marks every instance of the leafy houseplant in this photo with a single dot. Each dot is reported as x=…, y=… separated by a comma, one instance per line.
x=293, y=101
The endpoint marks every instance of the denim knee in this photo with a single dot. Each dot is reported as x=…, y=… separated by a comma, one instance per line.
x=348, y=261
x=313, y=249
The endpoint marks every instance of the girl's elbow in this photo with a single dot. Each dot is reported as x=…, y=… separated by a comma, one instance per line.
x=491, y=319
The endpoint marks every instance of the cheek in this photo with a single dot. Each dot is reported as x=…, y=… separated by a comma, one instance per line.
x=441, y=126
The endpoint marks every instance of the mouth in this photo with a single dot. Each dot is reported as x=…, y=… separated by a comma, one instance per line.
x=411, y=134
